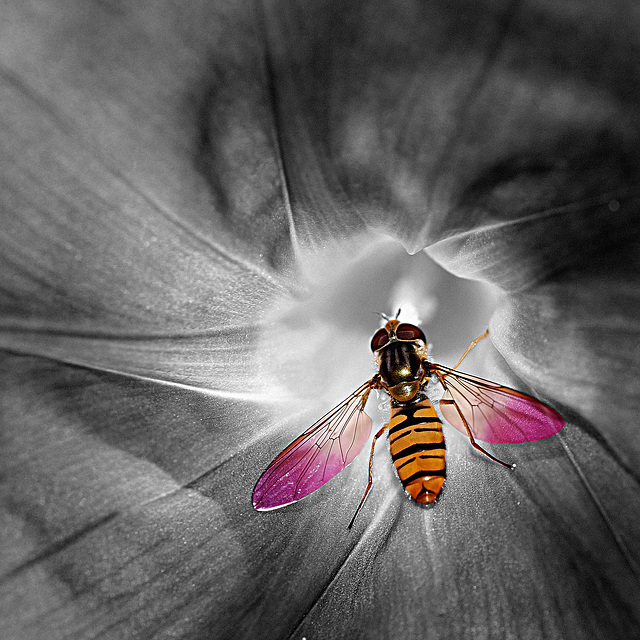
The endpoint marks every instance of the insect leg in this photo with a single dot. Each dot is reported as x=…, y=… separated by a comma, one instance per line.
x=474, y=444
x=370, y=483
x=473, y=344
x=477, y=447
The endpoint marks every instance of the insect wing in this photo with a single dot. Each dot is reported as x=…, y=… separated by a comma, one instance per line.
x=494, y=413
x=321, y=452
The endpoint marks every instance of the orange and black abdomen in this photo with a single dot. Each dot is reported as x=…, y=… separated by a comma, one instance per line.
x=417, y=448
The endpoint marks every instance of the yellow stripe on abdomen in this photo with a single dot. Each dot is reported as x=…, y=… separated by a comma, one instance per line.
x=417, y=448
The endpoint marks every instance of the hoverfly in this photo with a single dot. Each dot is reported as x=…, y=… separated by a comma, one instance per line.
x=480, y=409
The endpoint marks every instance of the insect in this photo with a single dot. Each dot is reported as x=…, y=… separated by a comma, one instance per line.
x=480, y=409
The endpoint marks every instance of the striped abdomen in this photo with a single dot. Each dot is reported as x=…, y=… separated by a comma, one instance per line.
x=417, y=448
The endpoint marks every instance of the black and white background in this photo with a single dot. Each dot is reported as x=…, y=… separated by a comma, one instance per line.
x=204, y=204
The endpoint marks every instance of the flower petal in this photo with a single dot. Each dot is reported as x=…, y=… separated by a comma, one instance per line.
x=425, y=123
x=107, y=531
x=573, y=339
x=439, y=120
x=112, y=252
x=504, y=555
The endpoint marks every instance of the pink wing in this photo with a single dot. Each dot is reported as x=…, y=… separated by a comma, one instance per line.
x=494, y=413
x=321, y=452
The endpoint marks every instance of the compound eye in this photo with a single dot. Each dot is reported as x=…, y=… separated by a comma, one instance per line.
x=380, y=338
x=410, y=332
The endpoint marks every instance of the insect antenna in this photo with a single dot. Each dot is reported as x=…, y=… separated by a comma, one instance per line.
x=386, y=318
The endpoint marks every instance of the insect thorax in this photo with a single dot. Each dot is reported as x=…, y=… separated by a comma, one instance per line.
x=401, y=370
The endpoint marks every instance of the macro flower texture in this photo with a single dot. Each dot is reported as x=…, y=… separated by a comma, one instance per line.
x=204, y=207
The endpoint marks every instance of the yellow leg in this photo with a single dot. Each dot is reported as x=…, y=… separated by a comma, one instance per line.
x=473, y=344
x=370, y=483
x=474, y=444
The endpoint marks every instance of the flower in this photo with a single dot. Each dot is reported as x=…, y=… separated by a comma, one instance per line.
x=170, y=174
